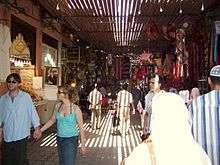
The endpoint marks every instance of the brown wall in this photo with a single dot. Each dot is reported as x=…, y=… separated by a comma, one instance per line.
x=32, y=17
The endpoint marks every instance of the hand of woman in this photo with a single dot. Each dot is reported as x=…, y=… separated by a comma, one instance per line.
x=37, y=134
x=83, y=150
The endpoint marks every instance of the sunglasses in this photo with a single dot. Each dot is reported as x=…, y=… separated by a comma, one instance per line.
x=59, y=92
x=14, y=82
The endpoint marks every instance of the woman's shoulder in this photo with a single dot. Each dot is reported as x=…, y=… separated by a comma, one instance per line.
x=57, y=105
x=75, y=107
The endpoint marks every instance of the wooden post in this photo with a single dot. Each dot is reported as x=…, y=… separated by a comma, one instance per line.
x=5, y=42
x=39, y=69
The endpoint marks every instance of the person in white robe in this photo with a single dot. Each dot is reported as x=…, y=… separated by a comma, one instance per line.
x=171, y=141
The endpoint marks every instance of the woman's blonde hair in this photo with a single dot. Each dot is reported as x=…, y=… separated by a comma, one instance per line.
x=71, y=93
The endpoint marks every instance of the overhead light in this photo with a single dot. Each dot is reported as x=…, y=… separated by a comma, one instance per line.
x=57, y=7
x=161, y=10
x=139, y=12
x=202, y=8
x=181, y=11
x=77, y=40
x=71, y=36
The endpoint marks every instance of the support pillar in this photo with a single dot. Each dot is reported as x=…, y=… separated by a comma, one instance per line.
x=39, y=69
x=5, y=42
x=59, y=62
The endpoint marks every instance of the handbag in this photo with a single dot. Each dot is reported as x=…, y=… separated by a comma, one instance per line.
x=116, y=120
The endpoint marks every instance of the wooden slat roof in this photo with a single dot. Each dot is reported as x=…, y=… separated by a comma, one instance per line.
x=115, y=24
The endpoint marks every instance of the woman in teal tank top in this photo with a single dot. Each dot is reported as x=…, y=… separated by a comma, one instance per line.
x=69, y=121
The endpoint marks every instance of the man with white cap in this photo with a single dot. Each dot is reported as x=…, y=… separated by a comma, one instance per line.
x=205, y=117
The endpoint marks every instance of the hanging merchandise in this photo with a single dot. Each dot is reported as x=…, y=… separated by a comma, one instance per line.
x=146, y=65
x=181, y=65
x=146, y=57
x=217, y=43
x=218, y=50
x=169, y=32
x=152, y=30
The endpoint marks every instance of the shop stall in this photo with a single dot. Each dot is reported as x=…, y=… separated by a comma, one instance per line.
x=21, y=63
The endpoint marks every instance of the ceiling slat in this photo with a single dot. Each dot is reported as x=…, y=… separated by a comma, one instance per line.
x=94, y=8
x=123, y=25
x=86, y=7
x=97, y=7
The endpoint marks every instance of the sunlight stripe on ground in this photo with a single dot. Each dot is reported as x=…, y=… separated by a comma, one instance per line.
x=53, y=144
x=48, y=139
x=108, y=133
x=104, y=138
x=51, y=141
x=92, y=142
x=128, y=143
x=104, y=133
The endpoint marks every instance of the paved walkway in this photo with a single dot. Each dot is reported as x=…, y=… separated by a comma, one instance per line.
x=103, y=147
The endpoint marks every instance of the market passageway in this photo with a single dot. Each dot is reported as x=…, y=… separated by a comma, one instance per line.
x=103, y=146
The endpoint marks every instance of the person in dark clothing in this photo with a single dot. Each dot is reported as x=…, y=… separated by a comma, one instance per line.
x=136, y=94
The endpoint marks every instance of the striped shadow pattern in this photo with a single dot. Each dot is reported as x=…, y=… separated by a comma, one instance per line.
x=104, y=138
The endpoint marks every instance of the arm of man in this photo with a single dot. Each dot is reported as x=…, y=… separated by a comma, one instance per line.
x=190, y=111
x=1, y=119
x=35, y=120
x=1, y=113
x=100, y=99
x=147, y=103
x=145, y=114
x=132, y=103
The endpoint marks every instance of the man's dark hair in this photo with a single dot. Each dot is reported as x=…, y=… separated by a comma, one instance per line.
x=215, y=80
x=15, y=76
x=125, y=86
x=150, y=76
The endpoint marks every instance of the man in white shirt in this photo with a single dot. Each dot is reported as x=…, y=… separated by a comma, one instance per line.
x=95, y=98
x=124, y=100
x=154, y=82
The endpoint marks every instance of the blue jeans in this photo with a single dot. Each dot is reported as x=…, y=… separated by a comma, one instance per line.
x=67, y=150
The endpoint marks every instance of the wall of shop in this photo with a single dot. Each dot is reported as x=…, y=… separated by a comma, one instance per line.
x=30, y=15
